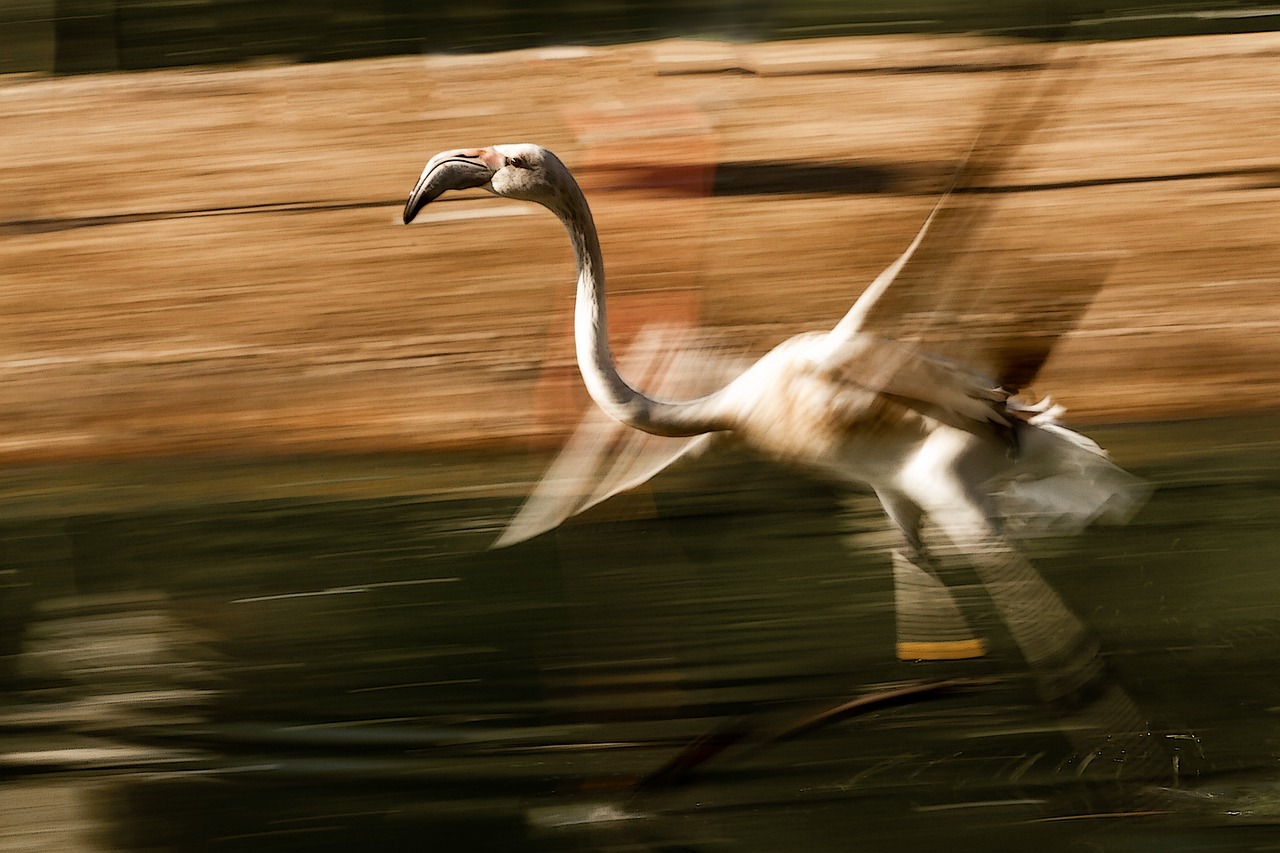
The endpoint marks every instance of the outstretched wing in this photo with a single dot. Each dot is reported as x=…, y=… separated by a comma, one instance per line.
x=962, y=369
x=603, y=457
x=999, y=314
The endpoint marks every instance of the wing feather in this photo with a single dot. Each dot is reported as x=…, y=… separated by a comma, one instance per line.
x=951, y=295
x=603, y=457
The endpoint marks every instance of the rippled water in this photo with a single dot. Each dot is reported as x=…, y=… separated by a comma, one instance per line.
x=315, y=655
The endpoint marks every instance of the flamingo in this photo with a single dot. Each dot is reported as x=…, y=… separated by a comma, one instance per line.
x=908, y=393
x=932, y=435
x=914, y=392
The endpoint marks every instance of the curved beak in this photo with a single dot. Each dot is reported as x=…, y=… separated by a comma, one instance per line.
x=451, y=170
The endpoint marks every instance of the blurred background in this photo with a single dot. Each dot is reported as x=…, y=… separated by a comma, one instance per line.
x=75, y=36
x=258, y=435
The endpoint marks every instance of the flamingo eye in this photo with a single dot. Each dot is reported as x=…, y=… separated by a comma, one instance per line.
x=517, y=163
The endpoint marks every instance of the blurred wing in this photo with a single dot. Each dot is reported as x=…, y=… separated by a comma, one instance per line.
x=603, y=457
x=874, y=368
x=996, y=314
x=1022, y=307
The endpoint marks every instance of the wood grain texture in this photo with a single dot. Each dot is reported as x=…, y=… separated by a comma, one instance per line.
x=209, y=262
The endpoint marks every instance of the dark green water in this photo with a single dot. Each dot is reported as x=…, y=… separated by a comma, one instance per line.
x=321, y=655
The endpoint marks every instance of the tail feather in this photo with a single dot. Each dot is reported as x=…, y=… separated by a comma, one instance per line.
x=1063, y=482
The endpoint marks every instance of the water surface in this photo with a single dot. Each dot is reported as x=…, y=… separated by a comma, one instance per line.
x=317, y=654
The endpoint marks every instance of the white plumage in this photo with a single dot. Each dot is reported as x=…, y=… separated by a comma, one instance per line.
x=926, y=414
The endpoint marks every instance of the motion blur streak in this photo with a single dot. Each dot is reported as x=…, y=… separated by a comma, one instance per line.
x=258, y=437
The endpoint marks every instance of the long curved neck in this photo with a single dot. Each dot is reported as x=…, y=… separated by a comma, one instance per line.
x=591, y=334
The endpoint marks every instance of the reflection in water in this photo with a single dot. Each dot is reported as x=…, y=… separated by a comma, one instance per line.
x=117, y=661
x=322, y=674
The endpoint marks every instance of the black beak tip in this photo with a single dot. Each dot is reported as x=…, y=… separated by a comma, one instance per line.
x=410, y=210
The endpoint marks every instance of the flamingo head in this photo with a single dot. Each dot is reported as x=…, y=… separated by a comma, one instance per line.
x=522, y=171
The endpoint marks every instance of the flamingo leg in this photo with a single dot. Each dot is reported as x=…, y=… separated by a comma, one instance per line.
x=930, y=624
x=1111, y=735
